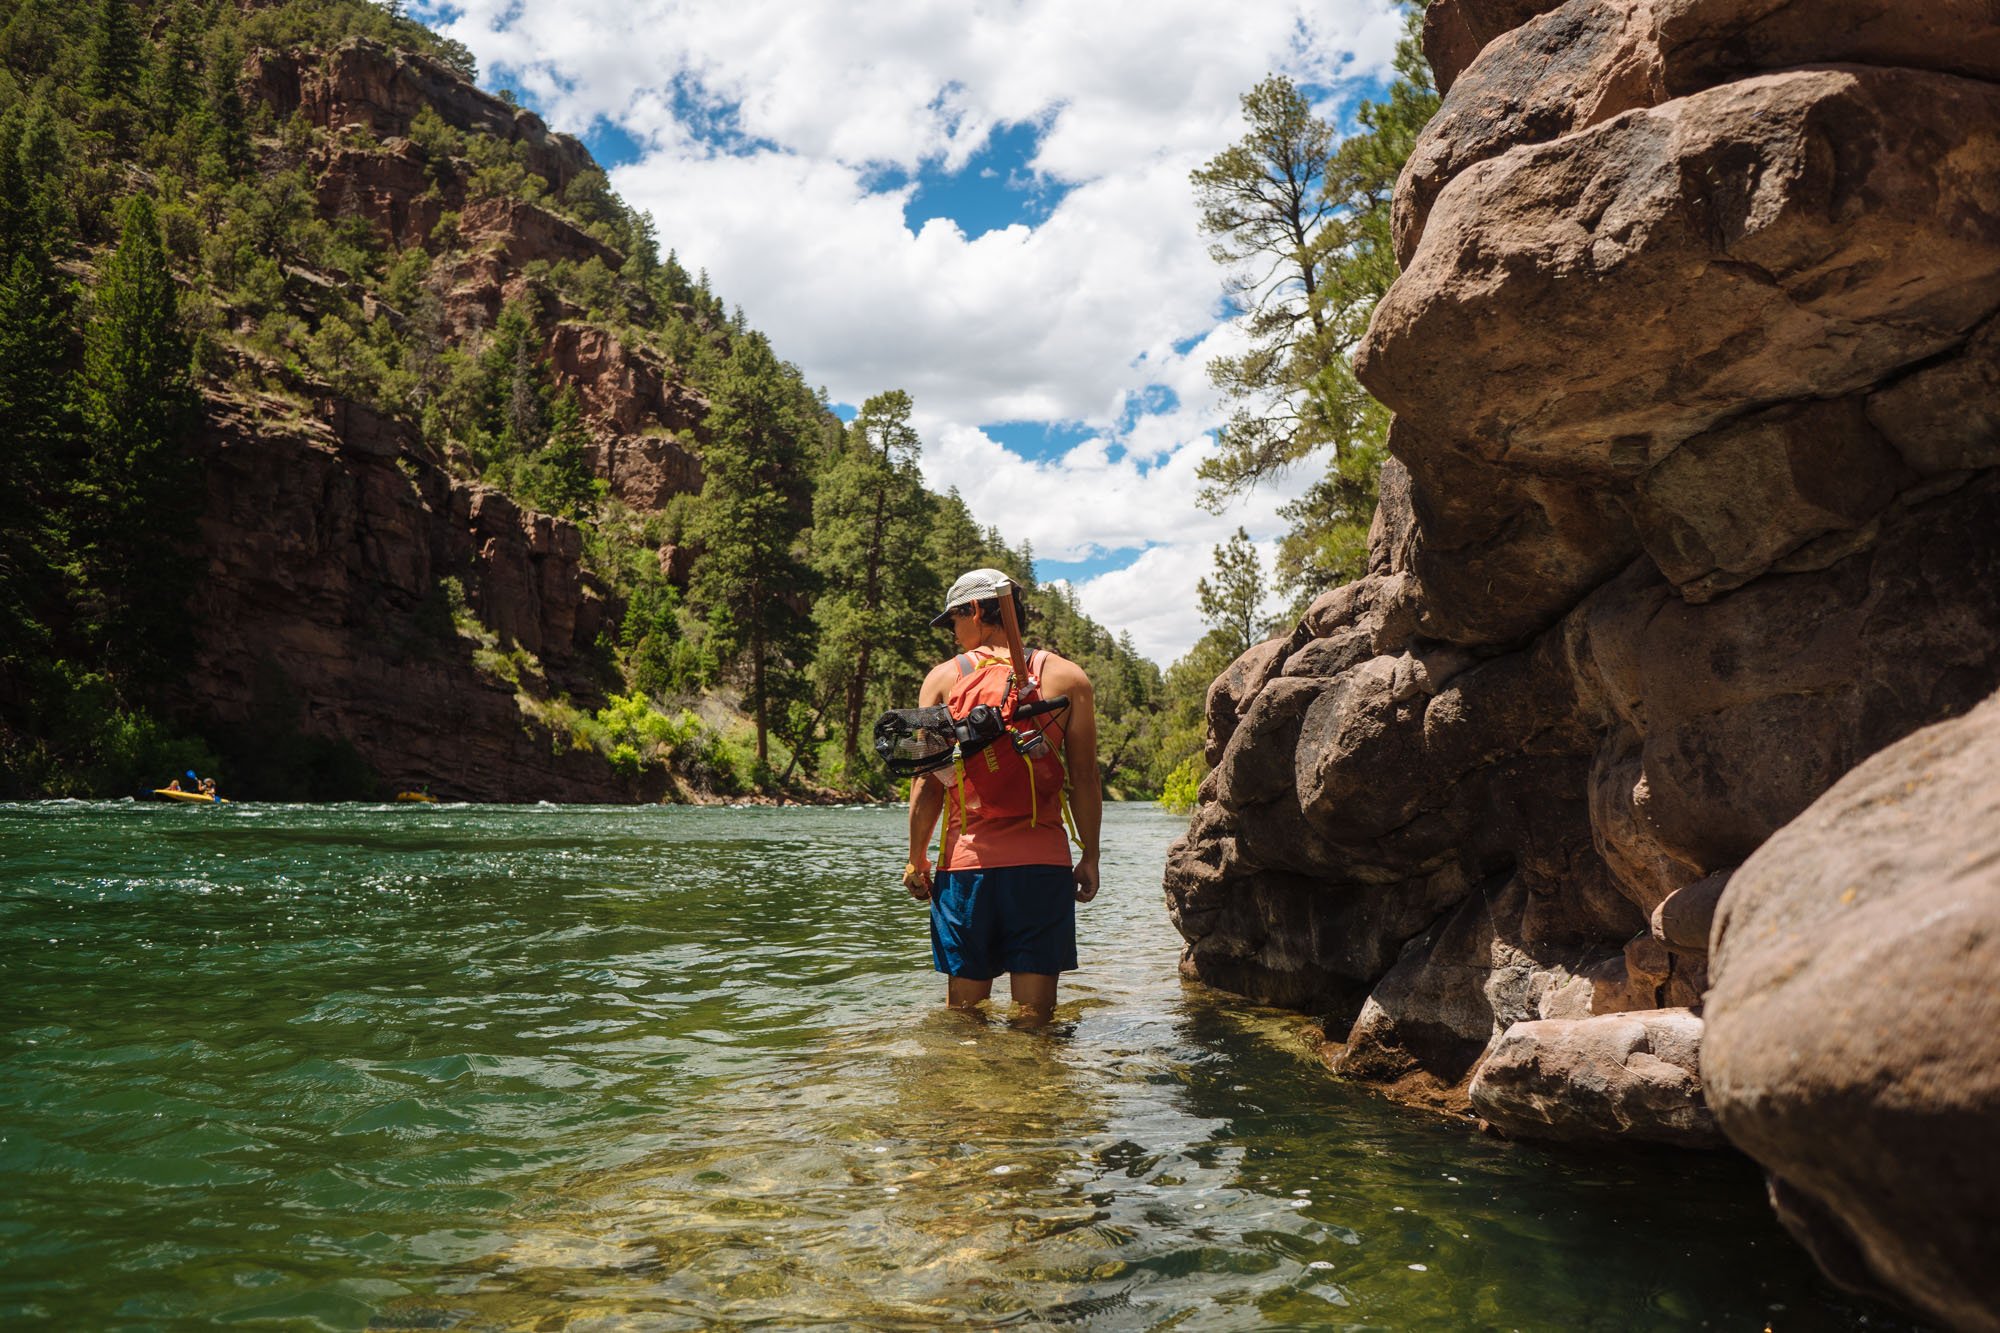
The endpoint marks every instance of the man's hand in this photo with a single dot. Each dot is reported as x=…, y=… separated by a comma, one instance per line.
x=917, y=879
x=1086, y=877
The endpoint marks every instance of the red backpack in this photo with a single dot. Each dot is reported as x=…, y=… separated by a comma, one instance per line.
x=999, y=781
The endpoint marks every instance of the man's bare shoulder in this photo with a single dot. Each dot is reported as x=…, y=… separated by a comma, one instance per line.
x=938, y=683
x=1060, y=674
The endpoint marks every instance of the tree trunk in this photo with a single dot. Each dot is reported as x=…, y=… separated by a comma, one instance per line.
x=757, y=678
x=871, y=601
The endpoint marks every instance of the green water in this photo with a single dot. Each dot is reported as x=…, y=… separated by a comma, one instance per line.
x=470, y=1068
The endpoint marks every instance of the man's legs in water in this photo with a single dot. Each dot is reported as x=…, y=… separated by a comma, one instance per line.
x=966, y=993
x=1034, y=994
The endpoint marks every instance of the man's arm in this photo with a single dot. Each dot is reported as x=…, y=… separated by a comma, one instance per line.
x=926, y=804
x=1086, y=789
x=926, y=799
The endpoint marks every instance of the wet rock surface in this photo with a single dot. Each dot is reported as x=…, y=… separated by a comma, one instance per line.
x=1692, y=508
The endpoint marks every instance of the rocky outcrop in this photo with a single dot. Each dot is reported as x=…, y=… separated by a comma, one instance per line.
x=324, y=607
x=364, y=85
x=1854, y=1044
x=645, y=420
x=357, y=594
x=1571, y=66
x=389, y=188
x=522, y=233
x=1692, y=507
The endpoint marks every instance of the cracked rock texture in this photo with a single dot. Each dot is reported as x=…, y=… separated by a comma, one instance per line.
x=1692, y=508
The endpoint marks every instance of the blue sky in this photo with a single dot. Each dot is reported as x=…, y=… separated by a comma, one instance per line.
x=986, y=206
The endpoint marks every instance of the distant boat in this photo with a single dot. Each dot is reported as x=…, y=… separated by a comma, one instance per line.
x=192, y=797
x=421, y=797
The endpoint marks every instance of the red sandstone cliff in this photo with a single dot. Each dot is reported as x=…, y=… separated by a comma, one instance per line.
x=332, y=537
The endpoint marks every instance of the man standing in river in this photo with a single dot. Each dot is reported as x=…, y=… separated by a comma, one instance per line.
x=1004, y=898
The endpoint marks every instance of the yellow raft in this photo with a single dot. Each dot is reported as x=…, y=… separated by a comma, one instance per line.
x=422, y=797
x=193, y=797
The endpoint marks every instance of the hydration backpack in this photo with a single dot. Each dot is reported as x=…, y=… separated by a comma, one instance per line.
x=1018, y=774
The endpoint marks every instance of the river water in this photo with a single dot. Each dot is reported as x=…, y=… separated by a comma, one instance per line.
x=353, y=1067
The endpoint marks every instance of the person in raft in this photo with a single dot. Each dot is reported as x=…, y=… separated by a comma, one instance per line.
x=1004, y=896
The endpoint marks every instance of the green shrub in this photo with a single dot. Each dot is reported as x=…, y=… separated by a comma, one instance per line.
x=1183, y=784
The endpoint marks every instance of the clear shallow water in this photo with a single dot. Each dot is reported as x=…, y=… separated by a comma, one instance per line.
x=481, y=1067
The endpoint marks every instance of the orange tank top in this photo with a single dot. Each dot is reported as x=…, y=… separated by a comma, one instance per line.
x=977, y=841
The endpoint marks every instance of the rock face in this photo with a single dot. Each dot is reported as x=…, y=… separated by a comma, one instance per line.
x=365, y=85
x=1693, y=506
x=323, y=607
x=336, y=541
x=1854, y=1044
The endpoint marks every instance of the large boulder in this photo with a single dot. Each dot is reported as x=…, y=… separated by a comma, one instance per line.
x=1583, y=62
x=1809, y=233
x=1854, y=1031
x=1456, y=31
x=1618, y=1076
x=1693, y=506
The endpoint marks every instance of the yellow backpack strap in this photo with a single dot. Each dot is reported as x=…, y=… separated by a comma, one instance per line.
x=944, y=824
x=1034, y=800
x=1069, y=820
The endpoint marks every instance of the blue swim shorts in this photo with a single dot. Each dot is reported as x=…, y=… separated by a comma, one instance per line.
x=1006, y=919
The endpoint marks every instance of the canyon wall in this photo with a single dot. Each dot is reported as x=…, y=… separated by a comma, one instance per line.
x=1693, y=507
x=335, y=550
x=339, y=547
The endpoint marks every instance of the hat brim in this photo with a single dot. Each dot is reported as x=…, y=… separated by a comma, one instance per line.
x=943, y=618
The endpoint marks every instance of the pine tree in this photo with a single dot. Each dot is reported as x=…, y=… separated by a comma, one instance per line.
x=567, y=484
x=1262, y=198
x=142, y=485
x=34, y=402
x=176, y=79
x=750, y=579
x=870, y=532
x=228, y=122
x=1302, y=222
x=1232, y=602
x=36, y=347
x=116, y=55
x=1328, y=541
x=13, y=183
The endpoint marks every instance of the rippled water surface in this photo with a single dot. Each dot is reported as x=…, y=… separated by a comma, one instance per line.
x=476, y=1067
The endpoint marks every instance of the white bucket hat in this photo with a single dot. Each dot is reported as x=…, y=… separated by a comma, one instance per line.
x=977, y=586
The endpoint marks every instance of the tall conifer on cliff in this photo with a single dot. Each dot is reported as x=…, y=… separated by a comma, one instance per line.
x=34, y=404
x=142, y=481
x=871, y=531
x=36, y=345
x=116, y=56
x=751, y=579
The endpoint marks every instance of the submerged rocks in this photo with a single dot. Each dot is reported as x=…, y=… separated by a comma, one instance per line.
x=1855, y=1019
